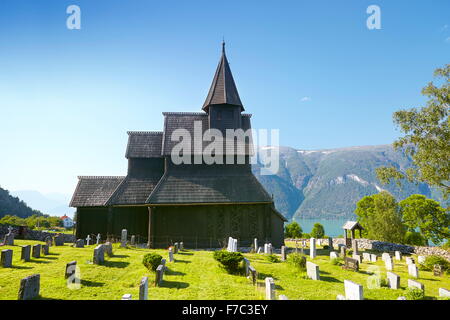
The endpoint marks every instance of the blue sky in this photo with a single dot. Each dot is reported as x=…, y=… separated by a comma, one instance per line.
x=309, y=68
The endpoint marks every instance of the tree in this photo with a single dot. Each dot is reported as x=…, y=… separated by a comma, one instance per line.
x=318, y=231
x=293, y=230
x=380, y=216
x=427, y=215
x=426, y=139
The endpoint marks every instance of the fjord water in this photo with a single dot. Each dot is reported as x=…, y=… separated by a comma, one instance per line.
x=333, y=228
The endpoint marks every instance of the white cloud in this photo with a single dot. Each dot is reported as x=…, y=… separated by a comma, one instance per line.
x=304, y=99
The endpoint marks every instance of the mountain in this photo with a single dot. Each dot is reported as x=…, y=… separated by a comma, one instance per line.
x=327, y=184
x=10, y=205
x=54, y=204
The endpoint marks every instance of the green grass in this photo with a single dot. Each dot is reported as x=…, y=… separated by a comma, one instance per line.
x=193, y=275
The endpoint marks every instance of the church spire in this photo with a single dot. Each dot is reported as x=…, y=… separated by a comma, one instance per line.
x=223, y=89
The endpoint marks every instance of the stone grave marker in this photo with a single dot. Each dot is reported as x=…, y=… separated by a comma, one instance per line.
x=246, y=266
x=353, y=291
x=355, y=247
x=45, y=250
x=159, y=275
x=413, y=271
x=415, y=284
x=6, y=258
x=98, y=238
x=36, y=251
x=444, y=293
x=270, y=288
x=312, y=270
x=175, y=247
x=26, y=253
x=88, y=240
x=70, y=269
x=409, y=260
x=99, y=255
x=393, y=280
x=181, y=245
x=357, y=257
x=384, y=256
x=366, y=257
x=59, y=240
x=333, y=255
x=143, y=289
x=127, y=296
x=170, y=255
x=283, y=253
x=253, y=274
x=437, y=270
x=389, y=264
x=79, y=243
x=342, y=252
x=398, y=255
x=282, y=297
x=312, y=248
x=373, y=257
x=29, y=287
x=123, y=239
x=330, y=243
x=108, y=249
x=255, y=244
x=133, y=240
x=351, y=264
x=9, y=237
x=259, y=250
x=49, y=241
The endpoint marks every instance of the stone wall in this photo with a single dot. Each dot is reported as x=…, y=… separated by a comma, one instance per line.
x=390, y=247
x=34, y=234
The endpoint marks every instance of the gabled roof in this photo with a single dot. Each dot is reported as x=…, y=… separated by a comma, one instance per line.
x=144, y=144
x=133, y=190
x=93, y=191
x=351, y=225
x=187, y=120
x=223, y=89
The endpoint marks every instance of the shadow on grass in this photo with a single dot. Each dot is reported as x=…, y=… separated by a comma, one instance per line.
x=49, y=258
x=116, y=264
x=53, y=254
x=120, y=256
x=174, y=284
x=262, y=276
x=182, y=261
x=186, y=253
x=89, y=283
x=174, y=273
x=21, y=267
x=38, y=261
x=47, y=298
x=330, y=279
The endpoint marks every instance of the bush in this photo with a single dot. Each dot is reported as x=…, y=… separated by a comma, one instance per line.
x=229, y=260
x=151, y=261
x=337, y=261
x=272, y=258
x=414, y=294
x=293, y=230
x=297, y=260
x=318, y=231
x=414, y=239
x=326, y=247
x=430, y=261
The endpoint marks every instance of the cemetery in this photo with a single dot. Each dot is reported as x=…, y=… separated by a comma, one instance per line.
x=114, y=271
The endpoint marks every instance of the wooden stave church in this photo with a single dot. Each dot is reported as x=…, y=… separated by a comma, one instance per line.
x=199, y=204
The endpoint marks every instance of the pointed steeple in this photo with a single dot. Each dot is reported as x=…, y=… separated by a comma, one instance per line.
x=223, y=89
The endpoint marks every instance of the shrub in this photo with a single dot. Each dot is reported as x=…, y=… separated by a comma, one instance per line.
x=337, y=261
x=415, y=239
x=229, y=260
x=151, y=261
x=414, y=294
x=326, y=247
x=293, y=230
x=272, y=258
x=430, y=261
x=297, y=260
x=318, y=231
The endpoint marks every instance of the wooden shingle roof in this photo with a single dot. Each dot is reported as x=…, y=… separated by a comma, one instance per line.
x=133, y=190
x=93, y=191
x=144, y=144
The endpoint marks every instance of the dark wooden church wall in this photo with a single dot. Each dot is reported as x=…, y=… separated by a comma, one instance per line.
x=91, y=221
x=134, y=219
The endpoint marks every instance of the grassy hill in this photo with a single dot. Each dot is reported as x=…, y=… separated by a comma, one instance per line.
x=10, y=205
x=194, y=275
x=328, y=183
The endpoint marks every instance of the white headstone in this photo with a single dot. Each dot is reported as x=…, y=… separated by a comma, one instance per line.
x=353, y=291
x=312, y=270
x=393, y=280
x=143, y=289
x=333, y=255
x=88, y=240
x=126, y=296
x=98, y=238
x=366, y=257
x=415, y=284
x=123, y=240
x=421, y=259
x=170, y=255
x=384, y=256
x=409, y=260
x=398, y=255
x=373, y=257
x=270, y=289
x=312, y=248
x=389, y=263
x=282, y=297
x=444, y=292
x=413, y=271
x=255, y=244
x=357, y=257
x=259, y=250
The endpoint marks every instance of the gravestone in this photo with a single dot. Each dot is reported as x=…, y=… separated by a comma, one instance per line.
x=409, y=260
x=373, y=257
x=351, y=264
x=312, y=248
x=268, y=248
x=99, y=255
x=357, y=257
x=413, y=271
x=355, y=247
x=415, y=284
x=283, y=253
x=353, y=291
x=385, y=255
x=175, y=247
x=389, y=264
x=421, y=259
x=437, y=270
x=170, y=255
x=342, y=252
x=6, y=258
x=393, y=280
x=312, y=270
x=123, y=239
x=181, y=245
x=29, y=287
x=366, y=257
x=26, y=252
x=49, y=241
x=59, y=240
x=163, y=263
x=398, y=255
x=255, y=244
x=259, y=250
x=108, y=249
x=45, y=250
x=133, y=240
x=88, y=240
x=36, y=251
x=253, y=274
x=401, y=298
x=270, y=288
x=98, y=238
x=330, y=243
x=143, y=289
x=340, y=297
x=444, y=293
x=159, y=275
x=333, y=255
x=246, y=266
x=282, y=297
x=127, y=296
x=79, y=243
x=9, y=237
x=70, y=269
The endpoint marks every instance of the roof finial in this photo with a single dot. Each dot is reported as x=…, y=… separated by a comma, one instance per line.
x=223, y=45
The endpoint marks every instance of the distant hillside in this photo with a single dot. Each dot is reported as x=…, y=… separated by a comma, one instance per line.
x=328, y=183
x=54, y=204
x=10, y=205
